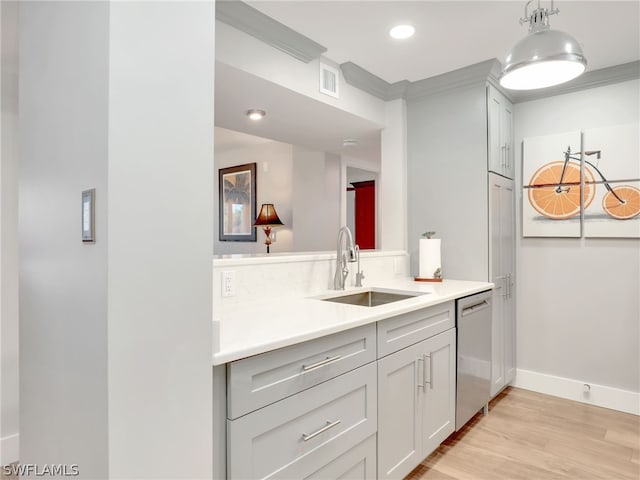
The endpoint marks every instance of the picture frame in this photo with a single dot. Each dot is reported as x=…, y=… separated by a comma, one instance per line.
x=237, y=203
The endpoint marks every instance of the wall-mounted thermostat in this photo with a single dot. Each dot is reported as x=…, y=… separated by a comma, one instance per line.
x=88, y=212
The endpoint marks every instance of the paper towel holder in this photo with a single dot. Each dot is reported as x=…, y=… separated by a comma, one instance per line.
x=437, y=274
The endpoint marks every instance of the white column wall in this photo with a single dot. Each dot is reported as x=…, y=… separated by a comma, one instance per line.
x=9, y=397
x=161, y=95
x=392, y=197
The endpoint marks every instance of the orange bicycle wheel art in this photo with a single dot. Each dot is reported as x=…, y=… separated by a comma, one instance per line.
x=560, y=202
x=630, y=206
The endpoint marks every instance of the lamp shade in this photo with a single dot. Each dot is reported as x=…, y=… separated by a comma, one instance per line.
x=542, y=59
x=267, y=216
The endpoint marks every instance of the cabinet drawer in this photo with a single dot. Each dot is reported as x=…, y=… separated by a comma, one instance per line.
x=258, y=381
x=403, y=330
x=359, y=463
x=297, y=436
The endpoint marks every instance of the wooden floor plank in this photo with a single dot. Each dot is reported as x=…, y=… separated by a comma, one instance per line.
x=528, y=436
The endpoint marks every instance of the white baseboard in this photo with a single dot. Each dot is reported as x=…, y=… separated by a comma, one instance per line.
x=599, y=395
x=9, y=449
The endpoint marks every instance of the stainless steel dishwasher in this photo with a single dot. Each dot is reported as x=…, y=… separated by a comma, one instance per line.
x=473, y=319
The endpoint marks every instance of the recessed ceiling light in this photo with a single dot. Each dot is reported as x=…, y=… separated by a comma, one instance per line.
x=350, y=142
x=255, y=114
x=401, y=32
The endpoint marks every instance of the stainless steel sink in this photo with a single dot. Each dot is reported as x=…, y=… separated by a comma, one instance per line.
x=372, y=298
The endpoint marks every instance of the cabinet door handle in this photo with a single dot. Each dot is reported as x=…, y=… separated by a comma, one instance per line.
x=308, y=436
x=503, y=150
x=321, y=363
x=506, y=156
x=430, y=381
x=417, y=363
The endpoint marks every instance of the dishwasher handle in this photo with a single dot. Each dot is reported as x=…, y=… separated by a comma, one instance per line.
x=475, y=308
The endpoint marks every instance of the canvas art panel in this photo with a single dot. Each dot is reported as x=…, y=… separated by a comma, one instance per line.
x=551, y=187
x=615, y=207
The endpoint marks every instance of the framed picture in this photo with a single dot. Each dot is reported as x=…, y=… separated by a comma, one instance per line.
x=237, y=203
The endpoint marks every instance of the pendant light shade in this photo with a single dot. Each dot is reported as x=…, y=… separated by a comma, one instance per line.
x=544, y=57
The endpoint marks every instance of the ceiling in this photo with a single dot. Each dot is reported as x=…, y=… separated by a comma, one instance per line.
x=452, y=34
x=291, y=117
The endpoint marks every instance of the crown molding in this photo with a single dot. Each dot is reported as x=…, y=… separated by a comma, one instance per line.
x=364, y=80
x=360, y=78
x=462, y=77
x=255, y=23
x=487, y=71
x=592, y=79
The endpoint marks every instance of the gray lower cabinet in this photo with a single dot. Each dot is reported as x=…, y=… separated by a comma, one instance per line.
x=416, y=403
x=296, y=437
x=326, y=409
x=359, y=463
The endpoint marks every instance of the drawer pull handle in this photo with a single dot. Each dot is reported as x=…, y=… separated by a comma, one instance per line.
x=321, y=363
x=308, y=436
x=474, y=308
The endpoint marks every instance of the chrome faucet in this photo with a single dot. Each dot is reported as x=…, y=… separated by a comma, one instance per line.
x=359, y=273
x=342, y=257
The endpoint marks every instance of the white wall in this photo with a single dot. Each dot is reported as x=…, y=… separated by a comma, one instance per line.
x=447, y=181
x=115, y=337
x=246, y=53
x=161, y=104
x=578, y=312
x=303, y=185
x=9, y=386
x=316, y=200
x=274, y=184
x=64, y=50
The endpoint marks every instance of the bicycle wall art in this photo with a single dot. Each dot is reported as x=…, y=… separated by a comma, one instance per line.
x=582, y=184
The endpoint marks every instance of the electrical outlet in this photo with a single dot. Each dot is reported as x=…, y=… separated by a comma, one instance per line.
x=228, y=283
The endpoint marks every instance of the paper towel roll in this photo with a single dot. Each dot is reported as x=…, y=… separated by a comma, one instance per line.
x=430, y=265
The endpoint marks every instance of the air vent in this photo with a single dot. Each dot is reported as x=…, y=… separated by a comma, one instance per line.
x=328, y=80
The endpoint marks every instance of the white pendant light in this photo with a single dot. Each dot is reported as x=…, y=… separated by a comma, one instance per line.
x=544, y=57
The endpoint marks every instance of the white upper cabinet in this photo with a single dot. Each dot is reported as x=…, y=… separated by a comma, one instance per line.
x=500, y=134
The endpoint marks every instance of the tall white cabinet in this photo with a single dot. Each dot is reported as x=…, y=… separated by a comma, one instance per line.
x=502, y=274
x=460, y=185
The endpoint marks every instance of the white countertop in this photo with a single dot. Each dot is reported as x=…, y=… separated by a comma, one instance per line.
x=247, y=330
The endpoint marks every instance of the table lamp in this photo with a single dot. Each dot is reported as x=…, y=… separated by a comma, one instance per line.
x=266, y=219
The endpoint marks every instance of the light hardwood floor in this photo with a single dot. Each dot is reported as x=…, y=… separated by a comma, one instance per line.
x=532, y=436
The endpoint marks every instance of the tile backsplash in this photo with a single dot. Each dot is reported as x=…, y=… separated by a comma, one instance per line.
x=279, y=276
